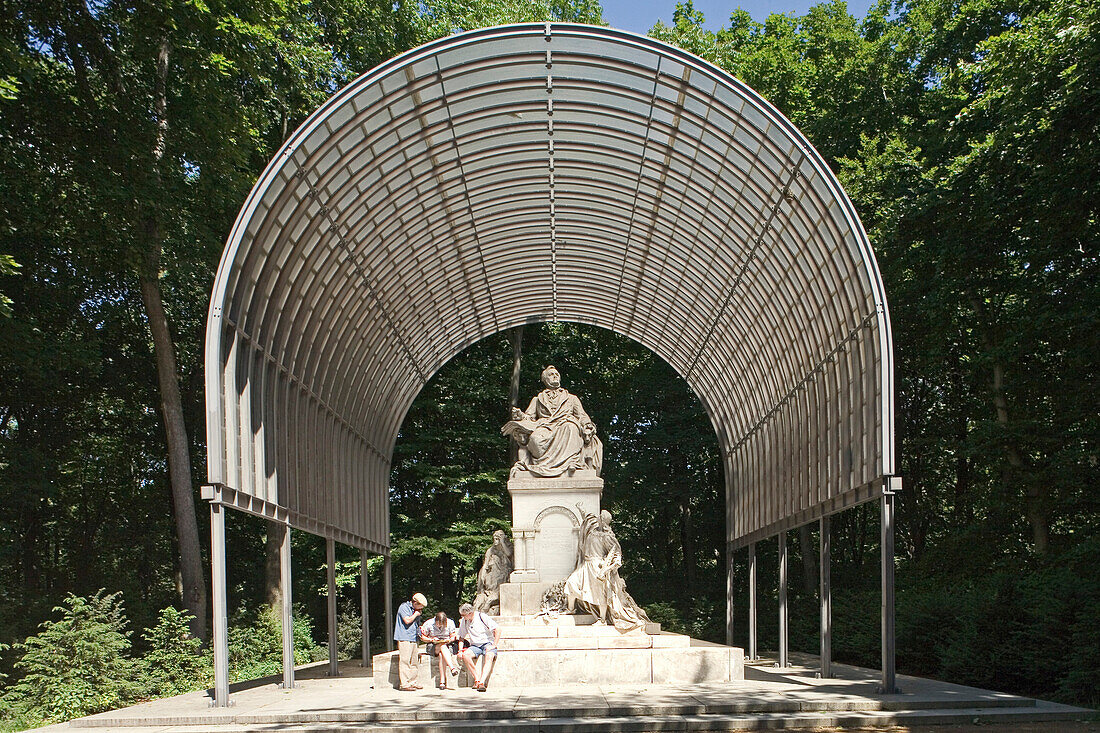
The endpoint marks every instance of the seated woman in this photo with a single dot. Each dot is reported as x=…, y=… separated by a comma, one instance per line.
x=442, y=639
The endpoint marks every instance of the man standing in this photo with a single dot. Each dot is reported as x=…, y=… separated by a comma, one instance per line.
x=476, y=628
x=405, y=633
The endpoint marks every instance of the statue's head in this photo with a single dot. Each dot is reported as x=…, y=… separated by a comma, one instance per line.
x=498, y=537
x=551, y=377
x=605, y=519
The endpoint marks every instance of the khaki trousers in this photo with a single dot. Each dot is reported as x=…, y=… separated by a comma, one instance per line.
x=408, y=667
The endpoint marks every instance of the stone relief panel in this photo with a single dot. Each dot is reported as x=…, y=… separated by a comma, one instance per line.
x=557, y=530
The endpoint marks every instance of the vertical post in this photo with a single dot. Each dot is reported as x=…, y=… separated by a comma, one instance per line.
x=752, y=601
x=285, y=579
x=826, y=592
x=729, y=597
x=388, y=590
x=784, y=660
x=889, y=682
x=364, y=606
x=221, y=626
x=330, y=554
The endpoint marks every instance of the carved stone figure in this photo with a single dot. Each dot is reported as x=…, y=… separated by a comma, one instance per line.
x=495, y=568
x=554, y=600
x=555, y=435
x=596, y=584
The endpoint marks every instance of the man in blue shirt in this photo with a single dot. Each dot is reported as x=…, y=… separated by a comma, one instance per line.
x=406, y=632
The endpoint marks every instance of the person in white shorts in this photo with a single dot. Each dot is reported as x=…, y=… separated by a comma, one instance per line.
x=484, y=635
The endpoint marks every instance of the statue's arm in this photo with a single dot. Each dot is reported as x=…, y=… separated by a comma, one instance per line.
x=585, y=421
x=532, y=409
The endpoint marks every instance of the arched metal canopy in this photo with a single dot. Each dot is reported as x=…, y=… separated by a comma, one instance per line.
x=537, y=172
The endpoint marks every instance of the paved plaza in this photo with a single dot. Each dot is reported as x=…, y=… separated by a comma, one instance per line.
x=769, y=698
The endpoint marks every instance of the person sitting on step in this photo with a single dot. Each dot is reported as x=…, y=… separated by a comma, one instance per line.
x=442, y=639
x=481, y=656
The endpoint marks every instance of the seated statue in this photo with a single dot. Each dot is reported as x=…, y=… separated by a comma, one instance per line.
x=555, y=434
x=495, y=569
x=595, y=585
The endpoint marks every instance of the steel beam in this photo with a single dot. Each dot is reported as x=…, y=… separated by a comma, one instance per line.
x=364, y=607
x=388, y=598
x=221, y=624
x=752, y=602
x=825, y=592
x=285, y=585
x=729, y=598
x=889, y=681
x=784, y=651
x=330, y=555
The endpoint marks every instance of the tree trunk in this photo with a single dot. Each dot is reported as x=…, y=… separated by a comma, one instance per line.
x=516, y=337
x=809, y=560
x=1035, y=491
x=687, y=544
x=1035, y=494
x=273, y=587
x=164, y=351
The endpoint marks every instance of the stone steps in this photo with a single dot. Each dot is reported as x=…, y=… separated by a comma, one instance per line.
x=886, y=720
x=467, y=712
x=544, y=650
x=662, y=659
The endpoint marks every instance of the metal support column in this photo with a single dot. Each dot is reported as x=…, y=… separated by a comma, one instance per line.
x=388, y=590
x=221, y=624
x=752, y=602
x=330, y=554
x=364, y=606
x=825, y=589
x=729, y=597
x=285, y=578
x=784, y=651
x=889, y=682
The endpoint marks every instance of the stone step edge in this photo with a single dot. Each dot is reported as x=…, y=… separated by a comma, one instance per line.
x=421, y=716
x=723, y=722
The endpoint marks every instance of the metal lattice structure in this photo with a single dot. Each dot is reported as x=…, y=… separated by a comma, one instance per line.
x=545, y=172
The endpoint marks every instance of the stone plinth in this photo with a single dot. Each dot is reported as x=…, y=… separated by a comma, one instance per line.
x=562, y=650
x=546, y=526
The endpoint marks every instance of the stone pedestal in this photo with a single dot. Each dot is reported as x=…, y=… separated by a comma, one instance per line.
x=566, y=650
x=546, y=524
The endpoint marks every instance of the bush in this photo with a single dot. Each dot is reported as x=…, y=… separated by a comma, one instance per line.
x=76, y=665
x=349, y=633
x=175, y=662
x=256, y=643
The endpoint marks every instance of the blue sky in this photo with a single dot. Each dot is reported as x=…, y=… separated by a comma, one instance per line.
x=640, y=15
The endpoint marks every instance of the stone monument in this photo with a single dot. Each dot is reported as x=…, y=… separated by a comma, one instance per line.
x=564, y=614
x=558, y=468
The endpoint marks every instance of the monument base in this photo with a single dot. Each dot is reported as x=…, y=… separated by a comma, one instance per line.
x=521, y=599
x=565, y=650
x=546, y=528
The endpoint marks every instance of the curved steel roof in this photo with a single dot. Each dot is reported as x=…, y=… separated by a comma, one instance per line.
x=537, y=172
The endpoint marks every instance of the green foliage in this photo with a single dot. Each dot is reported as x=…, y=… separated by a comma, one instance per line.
x=174, y=662
x=349, y=632
x=256, y=643
x=8, y=267
x=77, y=664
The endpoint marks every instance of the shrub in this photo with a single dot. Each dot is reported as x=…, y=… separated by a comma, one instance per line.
x=76, y=665
x=256, y=643
x=175, y=662
x=349, y=633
